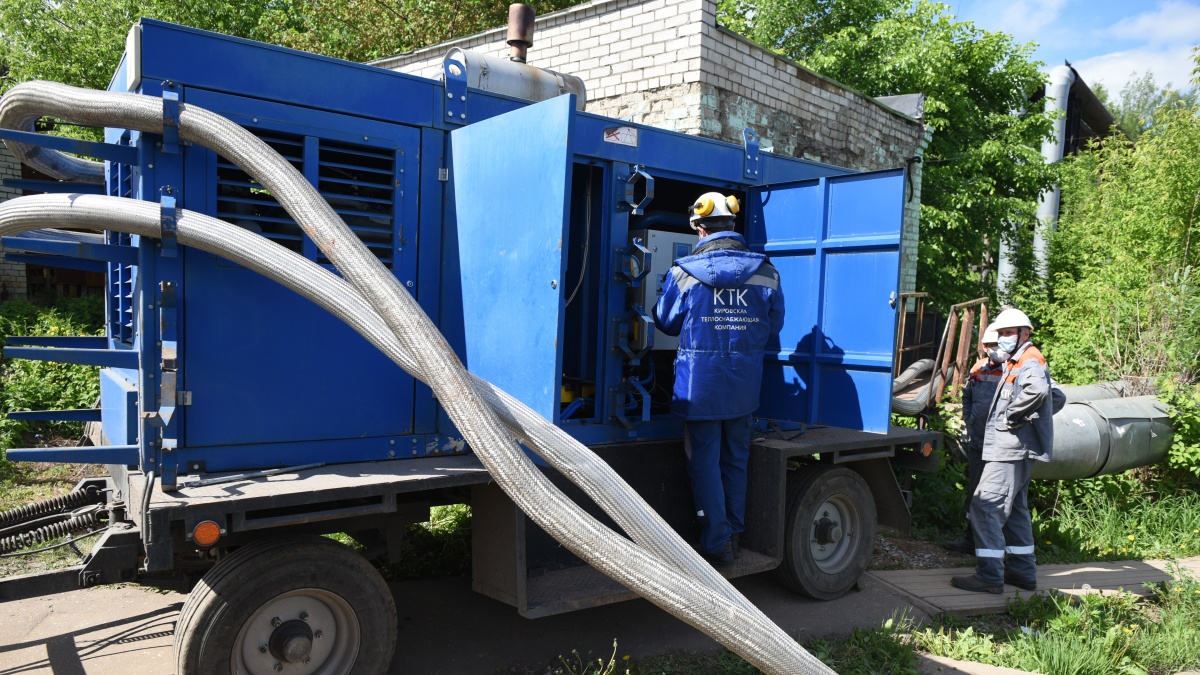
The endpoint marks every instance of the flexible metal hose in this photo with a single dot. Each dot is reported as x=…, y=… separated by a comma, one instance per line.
x=733, y=622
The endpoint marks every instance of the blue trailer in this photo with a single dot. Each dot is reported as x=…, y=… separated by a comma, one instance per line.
x=529, y=232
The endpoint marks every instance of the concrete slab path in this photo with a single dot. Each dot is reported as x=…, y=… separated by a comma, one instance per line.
x=931, y=592
x=444, y=628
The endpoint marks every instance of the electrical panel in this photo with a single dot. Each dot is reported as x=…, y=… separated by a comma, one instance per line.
x=665, y=248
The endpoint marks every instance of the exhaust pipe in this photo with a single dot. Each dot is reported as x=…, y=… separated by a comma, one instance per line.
x=520, y=30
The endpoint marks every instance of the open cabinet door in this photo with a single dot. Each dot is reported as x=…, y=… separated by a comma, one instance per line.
x=512, y=178
x=836, y=244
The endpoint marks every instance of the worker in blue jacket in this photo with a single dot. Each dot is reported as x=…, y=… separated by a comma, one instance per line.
x=724, y=302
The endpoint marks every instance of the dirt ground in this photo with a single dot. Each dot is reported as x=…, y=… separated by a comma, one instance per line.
x=895, y=550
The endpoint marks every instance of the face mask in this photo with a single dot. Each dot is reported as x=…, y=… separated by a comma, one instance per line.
x=1008, y=344
x=997, y=355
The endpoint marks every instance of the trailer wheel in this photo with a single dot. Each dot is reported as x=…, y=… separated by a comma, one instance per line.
x=829, y=532
x=295, y=604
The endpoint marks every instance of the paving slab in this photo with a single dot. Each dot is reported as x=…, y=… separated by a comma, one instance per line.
x=445, y=628
x=940, y=665
x=931, y=592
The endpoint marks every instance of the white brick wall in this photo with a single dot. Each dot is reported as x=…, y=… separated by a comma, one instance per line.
x=13, y=283
x=666, y=63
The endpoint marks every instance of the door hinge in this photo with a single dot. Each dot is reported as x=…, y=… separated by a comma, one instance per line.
x=443, y=174
x=183, y=397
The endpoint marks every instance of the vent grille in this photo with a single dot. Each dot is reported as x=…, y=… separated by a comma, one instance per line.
x=120, y=277
x=359, y=182
x=241, y=200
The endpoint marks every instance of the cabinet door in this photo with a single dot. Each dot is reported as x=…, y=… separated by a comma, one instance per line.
x=512, y=178
x=836, y=243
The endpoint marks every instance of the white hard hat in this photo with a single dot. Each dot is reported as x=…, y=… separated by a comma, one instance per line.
x=713, y=205
x=990, y=336
x=1012, y=318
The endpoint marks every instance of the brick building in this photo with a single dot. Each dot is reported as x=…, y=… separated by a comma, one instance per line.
x=667, y=64
x=13, y=283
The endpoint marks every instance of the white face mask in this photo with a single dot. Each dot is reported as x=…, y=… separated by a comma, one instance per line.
x=997, y=355
x=1008, y=344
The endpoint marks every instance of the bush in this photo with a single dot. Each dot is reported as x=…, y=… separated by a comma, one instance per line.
x=38, y=385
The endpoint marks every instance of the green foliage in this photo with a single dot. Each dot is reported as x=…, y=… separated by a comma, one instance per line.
x=438, y=547
x=79, y=42
x=1104, y=527
x=1140, y=99
x=37, y=385
x=870, y=652
x=983, y=170
x=362, y=31
x=1125, y=299
x=1184, y=408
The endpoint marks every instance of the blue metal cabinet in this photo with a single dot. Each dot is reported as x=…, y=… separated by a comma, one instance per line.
x=835, y=239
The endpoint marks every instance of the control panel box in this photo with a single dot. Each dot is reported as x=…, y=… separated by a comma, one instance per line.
x=665, y=248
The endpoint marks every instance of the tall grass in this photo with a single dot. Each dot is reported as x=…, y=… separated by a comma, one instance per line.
x=1108, y=528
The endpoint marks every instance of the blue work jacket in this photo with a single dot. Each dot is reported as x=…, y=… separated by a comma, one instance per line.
x=724, y=303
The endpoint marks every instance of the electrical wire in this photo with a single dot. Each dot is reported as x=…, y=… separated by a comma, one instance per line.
x=587, y=237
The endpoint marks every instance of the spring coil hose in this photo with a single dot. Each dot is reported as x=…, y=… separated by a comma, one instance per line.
x=71, y=500
x=49, y=532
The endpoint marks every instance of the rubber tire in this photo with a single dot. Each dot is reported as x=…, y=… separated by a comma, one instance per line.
x=808, y=488
x=236, y=587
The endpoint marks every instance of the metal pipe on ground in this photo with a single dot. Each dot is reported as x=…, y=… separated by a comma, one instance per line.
x=1107, y=436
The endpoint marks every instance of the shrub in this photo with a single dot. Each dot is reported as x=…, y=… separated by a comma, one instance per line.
x=39, y=385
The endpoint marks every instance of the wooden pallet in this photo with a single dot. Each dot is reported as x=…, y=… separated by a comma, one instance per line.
x=931, y=592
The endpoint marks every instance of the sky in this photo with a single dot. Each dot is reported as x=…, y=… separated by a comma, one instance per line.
x=1106, y=40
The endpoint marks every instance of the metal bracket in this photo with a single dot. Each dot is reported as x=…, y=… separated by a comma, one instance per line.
x=167, y=224
x=750, y=147
x=170, y=141
x=631, y=257
x=629, y=187
x=454, y=77
x=636, y=337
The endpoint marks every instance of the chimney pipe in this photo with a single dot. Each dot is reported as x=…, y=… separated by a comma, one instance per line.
x=520, y=30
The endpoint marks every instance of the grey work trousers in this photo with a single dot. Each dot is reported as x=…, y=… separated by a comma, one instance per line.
x=1001, y=522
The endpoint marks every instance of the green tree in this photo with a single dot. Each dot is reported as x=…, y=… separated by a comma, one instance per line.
x=79, y=42
x=1125, y=288
x=1140, y=99
x=362, y=30
x=983, y=169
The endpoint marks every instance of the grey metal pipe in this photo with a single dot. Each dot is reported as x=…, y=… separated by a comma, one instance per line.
x=1096, y=391
x=1107, y=436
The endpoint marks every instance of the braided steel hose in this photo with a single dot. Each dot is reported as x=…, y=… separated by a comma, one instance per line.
x=87, y=521
x=725, y=615
x=71, y=500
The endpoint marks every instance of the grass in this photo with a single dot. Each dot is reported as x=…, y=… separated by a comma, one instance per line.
x=1119, y=634
x=1106, y=528
x=21, y=484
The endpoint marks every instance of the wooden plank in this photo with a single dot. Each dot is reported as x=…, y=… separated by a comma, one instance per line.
x=931, y=592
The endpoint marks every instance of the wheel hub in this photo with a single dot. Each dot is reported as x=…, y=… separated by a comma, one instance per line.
x=828, y=531
x=291, y=641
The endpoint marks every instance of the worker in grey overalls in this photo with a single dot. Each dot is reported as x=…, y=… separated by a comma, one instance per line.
x=977, y=397
x=1019, y=431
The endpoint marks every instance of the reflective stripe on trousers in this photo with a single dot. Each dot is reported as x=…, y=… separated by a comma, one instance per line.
x=1002, y=524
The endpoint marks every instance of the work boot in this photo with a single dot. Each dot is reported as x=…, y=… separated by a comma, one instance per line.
x=723, y=560
x=1023, y=585
x=736, y=541
x=974, y=583
x=963, y=546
